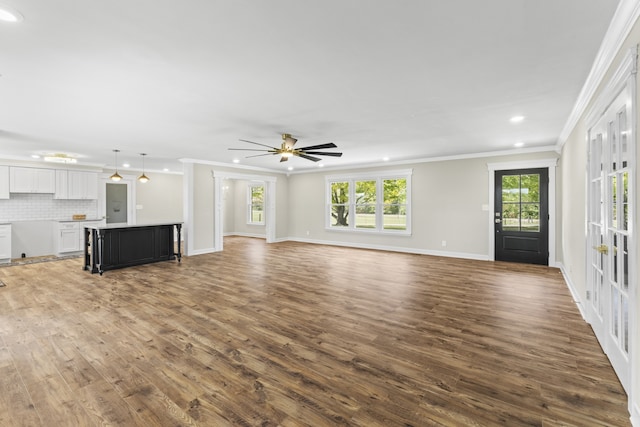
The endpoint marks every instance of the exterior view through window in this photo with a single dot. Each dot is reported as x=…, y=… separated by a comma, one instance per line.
x=372, y=204
x=256, y=204
x=521, y=202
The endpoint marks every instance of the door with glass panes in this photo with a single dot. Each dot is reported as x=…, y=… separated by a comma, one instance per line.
x=609, y=226
x=522, y=216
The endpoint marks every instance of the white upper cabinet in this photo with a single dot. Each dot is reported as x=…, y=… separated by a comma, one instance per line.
x=4, y=182
x=62, y=185
x=83, y=185
x=31, y=180
x=77, y=185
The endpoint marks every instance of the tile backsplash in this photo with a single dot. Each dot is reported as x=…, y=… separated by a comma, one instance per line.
x=32, y=207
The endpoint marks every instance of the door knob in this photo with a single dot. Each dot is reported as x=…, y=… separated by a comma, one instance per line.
x=603, y=249
x=498, y=221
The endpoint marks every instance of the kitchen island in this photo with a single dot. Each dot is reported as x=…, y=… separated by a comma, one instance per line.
x=117, y=246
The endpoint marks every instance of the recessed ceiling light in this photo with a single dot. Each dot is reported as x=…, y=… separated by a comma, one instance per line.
x=35, y=156
x=519, y=144
x=516, y=119
x=320, y=165
x=125, y=165
x=386, y=159
x=9, y=14
x=165, y=170
x=290, y=168
x=236, y=161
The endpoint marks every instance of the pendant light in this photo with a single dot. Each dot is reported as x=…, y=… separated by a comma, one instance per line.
x=143, y=178
x=116, y=176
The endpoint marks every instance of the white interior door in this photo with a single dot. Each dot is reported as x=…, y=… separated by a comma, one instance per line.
x=117, y=208
x=610, y=222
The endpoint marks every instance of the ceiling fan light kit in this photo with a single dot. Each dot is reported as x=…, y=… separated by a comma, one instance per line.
x=287, y=149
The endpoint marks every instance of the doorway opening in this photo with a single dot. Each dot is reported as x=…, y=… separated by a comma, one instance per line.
x=116, y=200
x=266, y=206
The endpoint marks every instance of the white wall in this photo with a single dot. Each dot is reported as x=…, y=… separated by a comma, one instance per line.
x=447, y=200
x=229, y=205
x=160, y=199
x=203, y=208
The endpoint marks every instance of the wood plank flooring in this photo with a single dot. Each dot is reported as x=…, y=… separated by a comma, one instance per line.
x=291, y=334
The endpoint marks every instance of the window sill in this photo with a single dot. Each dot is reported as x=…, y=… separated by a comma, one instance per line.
x=405, y=233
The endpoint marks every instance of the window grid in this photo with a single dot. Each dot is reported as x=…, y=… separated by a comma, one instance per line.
x=369, y=203
x=255, y=203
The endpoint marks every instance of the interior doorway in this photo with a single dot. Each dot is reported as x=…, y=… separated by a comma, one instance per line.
x=243, y=208
x=268, y=208
x=117, y=200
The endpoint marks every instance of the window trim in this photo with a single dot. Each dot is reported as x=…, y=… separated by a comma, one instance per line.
x=250, y=187
x=379, y=177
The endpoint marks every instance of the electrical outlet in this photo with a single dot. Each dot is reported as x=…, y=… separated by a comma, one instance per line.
x=444, y=243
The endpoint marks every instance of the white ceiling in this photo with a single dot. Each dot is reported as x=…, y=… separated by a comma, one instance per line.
x=404, y=79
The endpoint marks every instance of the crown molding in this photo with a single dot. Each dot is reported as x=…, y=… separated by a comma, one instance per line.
x=621, y=24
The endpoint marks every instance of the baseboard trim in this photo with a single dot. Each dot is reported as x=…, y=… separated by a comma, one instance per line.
x=635, y=416
x=235, y=233
x=418, y=251
x=574, y=293
x=200, y=252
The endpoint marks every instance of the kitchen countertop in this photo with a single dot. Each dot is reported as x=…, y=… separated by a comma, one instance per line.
x=80, y=220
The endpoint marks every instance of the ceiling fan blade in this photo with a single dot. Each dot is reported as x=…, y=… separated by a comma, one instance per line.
x=304, y=156
x=283, y=159
x=247, y=149
x=319, y=147
x=319, y=153
x=257, y=143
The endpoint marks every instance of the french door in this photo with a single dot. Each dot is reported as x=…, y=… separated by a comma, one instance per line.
x=611, y=199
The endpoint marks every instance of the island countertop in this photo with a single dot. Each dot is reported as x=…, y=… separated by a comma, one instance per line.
x=118, y=226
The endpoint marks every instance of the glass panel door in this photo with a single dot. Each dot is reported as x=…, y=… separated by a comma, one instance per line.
x=522, y=217
x=610, y=201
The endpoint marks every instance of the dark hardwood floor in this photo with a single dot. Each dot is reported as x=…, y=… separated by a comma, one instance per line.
x=293, y=334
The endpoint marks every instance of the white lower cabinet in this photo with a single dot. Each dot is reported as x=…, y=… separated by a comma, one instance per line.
x=70, y=235
x=5, y=243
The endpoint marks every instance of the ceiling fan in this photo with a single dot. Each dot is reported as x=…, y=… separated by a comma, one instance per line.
x=286, y=149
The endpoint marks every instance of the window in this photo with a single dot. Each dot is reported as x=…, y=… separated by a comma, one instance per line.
x=340, y=204
x=395, y=204
x=521, y=202
x=370, y=203
x=255, y=196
